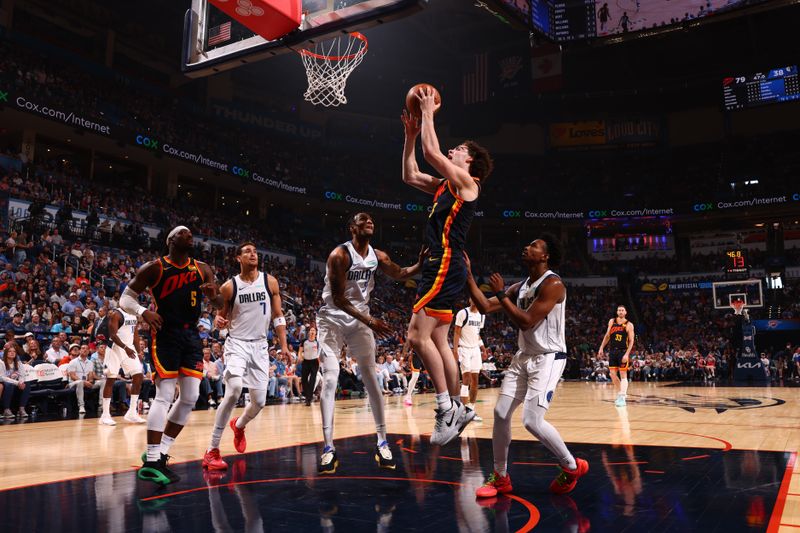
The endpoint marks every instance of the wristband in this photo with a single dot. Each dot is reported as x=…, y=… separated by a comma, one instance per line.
x=279, y=321
x=500, y=295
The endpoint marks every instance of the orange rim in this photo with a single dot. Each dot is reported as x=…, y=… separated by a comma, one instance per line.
x=355, y=34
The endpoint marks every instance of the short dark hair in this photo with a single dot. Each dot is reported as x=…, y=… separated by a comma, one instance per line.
x=555, y=249
x=352, y=220
x=482, y=164
x=242, y=245
x=622, y=306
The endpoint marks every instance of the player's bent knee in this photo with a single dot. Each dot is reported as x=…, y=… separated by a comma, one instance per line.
x=259, y=401
x=502, y=414
x=531, y=423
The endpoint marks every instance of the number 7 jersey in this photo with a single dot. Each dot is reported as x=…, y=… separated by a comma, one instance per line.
x=177, y=293
x=250, y=308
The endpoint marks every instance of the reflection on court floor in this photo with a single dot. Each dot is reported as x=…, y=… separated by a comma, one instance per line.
x=628, y=488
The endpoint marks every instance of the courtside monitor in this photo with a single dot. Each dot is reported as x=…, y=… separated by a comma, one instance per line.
x=214, y=41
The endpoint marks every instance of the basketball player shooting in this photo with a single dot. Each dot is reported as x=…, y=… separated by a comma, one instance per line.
x=619, y=338
x=345, y=318
x=248, y=302
x=537, y=307
x=177, y=283
x=455, y=198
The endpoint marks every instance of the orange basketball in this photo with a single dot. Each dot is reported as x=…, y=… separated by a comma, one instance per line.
x=412, y=99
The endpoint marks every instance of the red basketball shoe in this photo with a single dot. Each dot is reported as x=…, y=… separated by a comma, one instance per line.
x=567, y=479
x=494, y=485
x=239, y=441
x=213, y=461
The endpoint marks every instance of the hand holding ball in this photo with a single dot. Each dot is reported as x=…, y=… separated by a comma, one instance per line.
x=413, y=98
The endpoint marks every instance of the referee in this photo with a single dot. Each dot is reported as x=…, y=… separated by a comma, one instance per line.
x=309, y=354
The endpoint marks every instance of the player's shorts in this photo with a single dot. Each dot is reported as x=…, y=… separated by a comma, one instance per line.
x=444, y=277
x=470, y=359
x=177, y=351
x=615, y=361
x=334, y=333
x=117, y=358
x=416, y=364
x=249, y=360
x=534, y=377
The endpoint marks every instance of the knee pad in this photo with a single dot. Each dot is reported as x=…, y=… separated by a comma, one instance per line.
x=233, y=386
x=165, y=391
x=181, y=409
x=531, y=422
x=258, y=398
x=501, y=414
x=330, y=378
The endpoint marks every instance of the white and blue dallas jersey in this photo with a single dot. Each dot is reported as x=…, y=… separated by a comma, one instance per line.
x=359, y=282
x=251, y=309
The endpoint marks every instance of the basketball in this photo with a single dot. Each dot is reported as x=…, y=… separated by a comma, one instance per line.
x=412, y=98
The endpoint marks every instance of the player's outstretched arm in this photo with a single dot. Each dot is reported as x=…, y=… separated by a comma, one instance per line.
x=278, y=322
x=485, y=305
x=147, y=276
x=395, y=271
x=551, y=291
x=458, y=177
x=411, y=173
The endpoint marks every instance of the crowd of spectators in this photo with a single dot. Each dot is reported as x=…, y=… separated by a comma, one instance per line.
x=59, y=281
x=695, y=173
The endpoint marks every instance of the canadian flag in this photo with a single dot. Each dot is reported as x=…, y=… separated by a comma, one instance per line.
x=546, y=67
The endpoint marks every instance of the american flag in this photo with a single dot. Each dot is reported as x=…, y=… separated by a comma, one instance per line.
x=476, y=83
x=219, y=34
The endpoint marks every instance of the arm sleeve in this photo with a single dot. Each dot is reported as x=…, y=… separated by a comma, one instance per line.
x=129, y=302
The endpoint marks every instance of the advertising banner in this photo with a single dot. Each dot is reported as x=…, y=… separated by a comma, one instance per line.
x=609, y=133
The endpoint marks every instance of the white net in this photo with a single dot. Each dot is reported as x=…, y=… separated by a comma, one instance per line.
x=329, y=66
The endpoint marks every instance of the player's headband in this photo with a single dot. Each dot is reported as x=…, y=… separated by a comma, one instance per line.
x=175, y=232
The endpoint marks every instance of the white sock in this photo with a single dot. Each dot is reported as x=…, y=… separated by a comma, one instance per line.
x=106, y=407
x=133, y=407
x=153, y=452
x=443, y=401
x=464, y=391
x=166, y=443
x=455, y=399
x=623, y=386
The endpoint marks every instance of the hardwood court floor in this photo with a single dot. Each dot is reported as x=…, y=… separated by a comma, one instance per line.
x=704, y=422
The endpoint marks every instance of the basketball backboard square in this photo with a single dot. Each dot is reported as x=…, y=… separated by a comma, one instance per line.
x=213, y=41
x=749, y=291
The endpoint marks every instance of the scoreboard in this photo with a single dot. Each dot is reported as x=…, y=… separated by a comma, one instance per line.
x=573, y=20
x=777, y=85
x=558, y=20
x=735, y=261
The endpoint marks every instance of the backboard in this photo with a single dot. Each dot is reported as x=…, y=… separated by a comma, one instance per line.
x=213, y=41
x=749, y=291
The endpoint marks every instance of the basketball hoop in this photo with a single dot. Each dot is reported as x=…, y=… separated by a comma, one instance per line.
x=329, y=66
x=738, y=307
